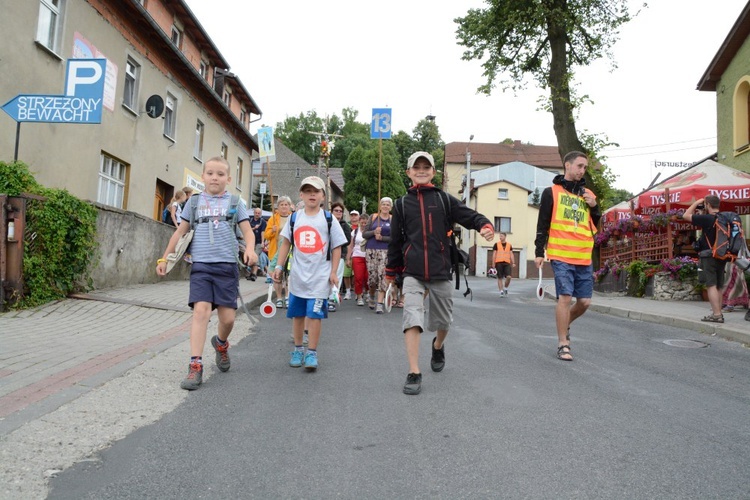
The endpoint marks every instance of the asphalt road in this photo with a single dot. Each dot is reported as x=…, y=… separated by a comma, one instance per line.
x=644, y=411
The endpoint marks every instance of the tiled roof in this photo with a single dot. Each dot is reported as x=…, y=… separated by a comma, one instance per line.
x=498, y=154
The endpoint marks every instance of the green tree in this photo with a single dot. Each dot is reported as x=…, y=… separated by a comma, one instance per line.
x=544, y=40
x=361, y=174
x=266, y=198
x=616, y=196
x=294, y=132
x=426, y=135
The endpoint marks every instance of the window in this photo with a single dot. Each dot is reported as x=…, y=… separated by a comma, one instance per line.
x=224, y=150
x=204, y=69
x=48, y=29
x=243, y=116
x=111, y=181
x=298, y=172
x=238, y=177
x=170, y=116
x=502, y=194
x=198, y=146
x=176, y=37
x=130, y=95
x=742, y=116
x=227, y=97
x=502, y=225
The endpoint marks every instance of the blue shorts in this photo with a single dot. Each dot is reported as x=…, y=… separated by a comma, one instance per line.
x=574, y=280
x=305, y=308
x=216, y=283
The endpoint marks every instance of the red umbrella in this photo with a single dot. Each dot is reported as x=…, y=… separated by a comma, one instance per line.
x=708, y=177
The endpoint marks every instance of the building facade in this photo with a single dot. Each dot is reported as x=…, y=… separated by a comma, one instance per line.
x=170, y=101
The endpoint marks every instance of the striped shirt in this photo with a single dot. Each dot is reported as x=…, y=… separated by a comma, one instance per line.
x=210, y=224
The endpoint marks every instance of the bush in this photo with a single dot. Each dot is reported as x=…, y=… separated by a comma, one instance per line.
x=60, y=238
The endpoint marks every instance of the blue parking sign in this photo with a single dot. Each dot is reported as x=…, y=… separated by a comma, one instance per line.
x=380, y=126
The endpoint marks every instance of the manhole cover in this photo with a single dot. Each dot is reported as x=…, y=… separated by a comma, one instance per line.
x=690, y=344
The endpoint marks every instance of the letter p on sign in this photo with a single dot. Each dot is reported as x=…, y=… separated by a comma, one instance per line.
x=88, y=74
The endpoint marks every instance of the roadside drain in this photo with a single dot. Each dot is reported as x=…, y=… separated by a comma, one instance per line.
x=689, y=344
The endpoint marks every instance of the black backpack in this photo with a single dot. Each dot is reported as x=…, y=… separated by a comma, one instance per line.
x=730, y=239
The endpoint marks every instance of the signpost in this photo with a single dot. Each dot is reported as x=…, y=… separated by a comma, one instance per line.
x=380, y=128
x=81, y=103
x=267, y=150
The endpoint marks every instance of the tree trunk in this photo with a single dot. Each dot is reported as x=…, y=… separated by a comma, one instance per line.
x=559, y=87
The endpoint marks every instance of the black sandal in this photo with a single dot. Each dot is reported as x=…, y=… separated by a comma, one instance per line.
x=711, y=318
x=561, y=353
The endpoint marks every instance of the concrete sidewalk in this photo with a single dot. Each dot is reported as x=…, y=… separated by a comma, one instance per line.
x=53, y=354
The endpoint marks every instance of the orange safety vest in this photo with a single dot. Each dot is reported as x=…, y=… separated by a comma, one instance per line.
x=503, y=254
x=570, y=241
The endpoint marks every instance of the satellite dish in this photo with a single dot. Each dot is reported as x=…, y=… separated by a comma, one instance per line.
x=155, y=106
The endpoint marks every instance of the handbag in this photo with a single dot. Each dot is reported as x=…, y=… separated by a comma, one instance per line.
x=179, y=250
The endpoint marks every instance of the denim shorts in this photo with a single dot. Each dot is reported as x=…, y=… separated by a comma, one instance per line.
x=216, y=283
x=305, y=308
x=575, y=280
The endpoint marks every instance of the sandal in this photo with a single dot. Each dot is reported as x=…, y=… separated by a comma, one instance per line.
x=714, y=318
x=400, y=304
x=561, y=352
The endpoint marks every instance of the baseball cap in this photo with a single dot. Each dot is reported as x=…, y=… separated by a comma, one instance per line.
x=424, y=154
x=353, y=212
x=313, y=181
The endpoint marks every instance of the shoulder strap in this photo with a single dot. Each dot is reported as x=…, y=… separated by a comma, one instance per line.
x=193, y=206
x=329, y=221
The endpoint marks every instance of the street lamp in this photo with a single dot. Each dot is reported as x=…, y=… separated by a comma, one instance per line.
x=467, y=188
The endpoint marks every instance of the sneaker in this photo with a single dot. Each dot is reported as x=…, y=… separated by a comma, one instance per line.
x=194, y=377
x=348, y=295
x=269, y=279
x=413, y=384
x=251, y=277
x=286, y=303
x=331, y=307
x=747, y=315
x=311, y=361
x=222, y=357
x=379, y=309
x=305, y=340
x=360, y=301
x=296, y=359
x=279, y=304
x=437, y=362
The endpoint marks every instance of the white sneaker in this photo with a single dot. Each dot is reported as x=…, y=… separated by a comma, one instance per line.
x=348, y=295
x=360, y=301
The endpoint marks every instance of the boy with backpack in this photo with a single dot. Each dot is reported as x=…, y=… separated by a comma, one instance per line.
x=420, y=248
x=317, y=238
x=214, y=276
x=721, y=233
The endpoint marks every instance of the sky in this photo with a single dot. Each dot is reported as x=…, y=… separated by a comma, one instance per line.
x=294, y=56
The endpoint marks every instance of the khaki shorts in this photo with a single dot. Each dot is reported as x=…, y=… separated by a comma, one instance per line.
x=440, y=301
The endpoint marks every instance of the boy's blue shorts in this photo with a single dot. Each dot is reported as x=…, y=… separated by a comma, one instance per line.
x=216, y=283
x=574, y=280
x=305, y=308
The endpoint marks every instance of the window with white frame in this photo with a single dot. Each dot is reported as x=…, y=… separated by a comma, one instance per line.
x=132, y=73
x=228, y=96
x=204, y=69
x=243, y=116
x=50, y=21
x=502, y=225
x=112, y=176
x=502, y=194
x=224, y=150
x=238, y=177
x=198, y=146
x=170, y=116
x=177, y=37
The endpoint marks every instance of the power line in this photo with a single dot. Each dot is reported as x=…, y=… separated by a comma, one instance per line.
x=659, y=145
x=652, y=153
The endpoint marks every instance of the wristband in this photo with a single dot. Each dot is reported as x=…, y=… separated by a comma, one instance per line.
x=159, y=261
x=278, y=267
